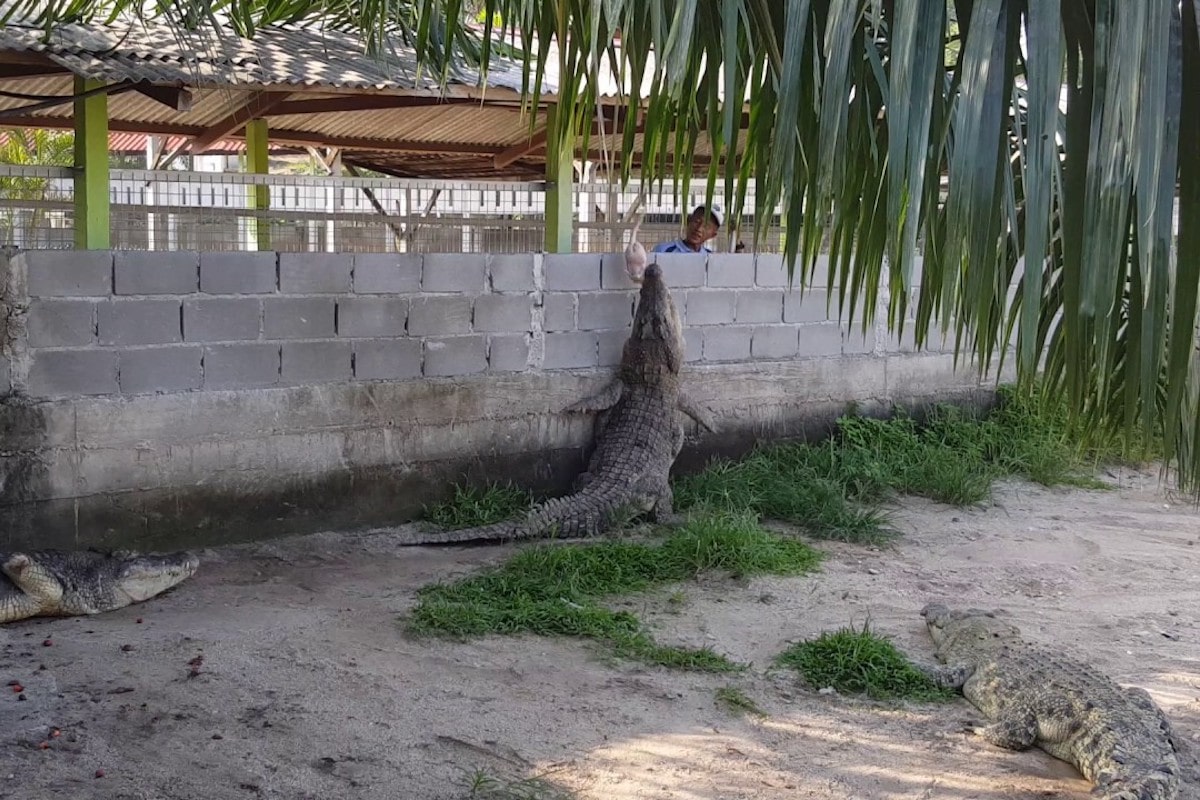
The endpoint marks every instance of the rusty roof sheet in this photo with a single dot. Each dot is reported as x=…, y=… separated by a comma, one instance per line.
x=281, y=55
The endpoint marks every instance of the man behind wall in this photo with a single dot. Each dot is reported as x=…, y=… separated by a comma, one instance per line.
x=701, y=228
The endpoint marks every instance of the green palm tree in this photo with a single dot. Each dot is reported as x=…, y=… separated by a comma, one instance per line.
x=1042, y=142
x=31, y=147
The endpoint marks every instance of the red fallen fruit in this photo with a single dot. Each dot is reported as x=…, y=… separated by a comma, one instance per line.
x=99, y=773
x=17, y=688
x=47, y=643
x=44, y=746
x=55, y=733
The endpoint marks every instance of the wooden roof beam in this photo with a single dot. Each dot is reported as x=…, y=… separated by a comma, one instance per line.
x=176, y=98
x=362, y=102
x=258, y=104
x=535, y=142
x=285, y=136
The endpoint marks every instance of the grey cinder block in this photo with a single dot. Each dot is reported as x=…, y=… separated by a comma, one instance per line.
x=764, y=305
x=709, y=306
x=238, y=273
x=439, y=316
x=821, y=339
x=503, y=313
x=453, y=272
x=730, y=269
x=241, y=366
x=511, y=272
x=298, y=317
x=570, y=350
x=558, y=311
x=69, y=273
x=315, y=273
x=387, y=273
x=774, y=341
x=140, y=321
x=63, y=373
x=156, y=272
x=604, y=310
x=367, y=317
x=61, y=323
x=571, y=272
x=160, y=369
x=455, y=355
x=222, y=319
x=682, y=270
x=727, y=344
x=387, y=359
x=316, y=362
x=508, y=352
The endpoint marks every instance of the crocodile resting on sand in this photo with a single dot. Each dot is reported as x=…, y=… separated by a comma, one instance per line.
x=638, y=436
x=1118, y=738
x=58, y=583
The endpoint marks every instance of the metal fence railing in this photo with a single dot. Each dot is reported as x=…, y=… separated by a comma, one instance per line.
x=178, y=210
x=37, y=207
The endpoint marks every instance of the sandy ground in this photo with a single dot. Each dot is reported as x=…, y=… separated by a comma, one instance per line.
x=309, y=686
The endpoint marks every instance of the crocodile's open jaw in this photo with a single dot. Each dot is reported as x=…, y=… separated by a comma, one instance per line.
x=657, y=334
x=143, y=577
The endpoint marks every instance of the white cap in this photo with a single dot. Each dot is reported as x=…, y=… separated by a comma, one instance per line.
x=715, y=211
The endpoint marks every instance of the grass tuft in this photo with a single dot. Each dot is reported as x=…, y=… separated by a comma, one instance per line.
x=473, y=506
x=483, y=785
x=860, y=662
x=736, y=701
x=834, y=489
x=554, y=590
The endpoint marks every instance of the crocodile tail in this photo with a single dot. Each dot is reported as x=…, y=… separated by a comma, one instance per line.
x=500, y=531
x=1154, y=784
x=590, y=511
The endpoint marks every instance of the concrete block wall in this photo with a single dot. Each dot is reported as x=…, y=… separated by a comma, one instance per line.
x=134, y=323
x=151, y=395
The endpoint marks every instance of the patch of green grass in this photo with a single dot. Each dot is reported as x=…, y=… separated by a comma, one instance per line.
x=485, y=786
x=735, y=700
x=798, y=483
x=554, y=590
x=834, y=488
x=473, y=506
x=860, y=662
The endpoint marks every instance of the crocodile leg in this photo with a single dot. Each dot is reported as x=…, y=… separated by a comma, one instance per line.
x=951, y=677
x=603, y=400
x=32, y=579
x=1013, y=731
x=18, y=605
x=689, y=407
x=663, y=512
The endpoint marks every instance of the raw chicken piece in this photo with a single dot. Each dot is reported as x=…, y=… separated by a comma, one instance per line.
x=635, y=255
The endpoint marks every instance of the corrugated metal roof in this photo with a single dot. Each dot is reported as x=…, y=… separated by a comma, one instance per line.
x=225, y=73
x=283, y=55
x=122, y=142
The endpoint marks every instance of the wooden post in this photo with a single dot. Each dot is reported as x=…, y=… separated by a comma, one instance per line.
x=257, y=150
x=560, y=183
x=92, y=213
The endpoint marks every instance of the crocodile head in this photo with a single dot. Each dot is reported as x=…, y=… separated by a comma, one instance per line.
x=139, y=578
x=65, y=583
x=969, y=628
x=654, y=349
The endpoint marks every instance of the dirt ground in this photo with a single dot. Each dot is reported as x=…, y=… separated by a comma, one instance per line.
x=309, y=687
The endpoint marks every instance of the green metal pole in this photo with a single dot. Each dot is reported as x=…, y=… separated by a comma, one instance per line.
x=92, y=216
x=560, y=184
x=256, y=162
